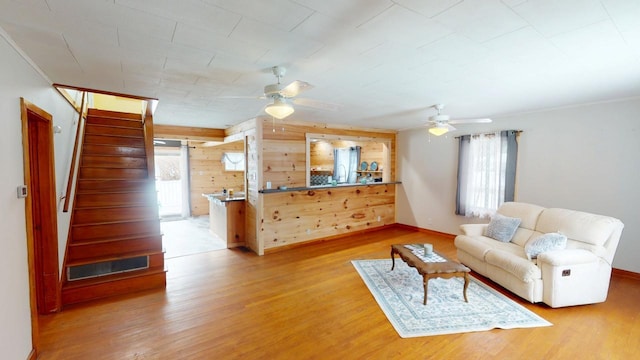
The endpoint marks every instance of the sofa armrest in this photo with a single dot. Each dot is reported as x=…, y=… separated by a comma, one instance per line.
x=473, y=229
x=567, y=257
x=573, y=277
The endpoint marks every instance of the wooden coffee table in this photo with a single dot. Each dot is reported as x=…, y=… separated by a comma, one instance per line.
x=430, y=270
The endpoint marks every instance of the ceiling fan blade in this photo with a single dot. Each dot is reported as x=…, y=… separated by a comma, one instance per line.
x=471, y=121
x=442, y=125
x=295, y=88
x=241, y=97
x=317, y=104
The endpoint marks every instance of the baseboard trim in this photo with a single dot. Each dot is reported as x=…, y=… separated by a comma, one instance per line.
x=428, y=231
x=625, y=273
x=33, y=355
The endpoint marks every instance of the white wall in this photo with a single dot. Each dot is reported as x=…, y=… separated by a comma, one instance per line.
x=19, y=79
x=584, y=158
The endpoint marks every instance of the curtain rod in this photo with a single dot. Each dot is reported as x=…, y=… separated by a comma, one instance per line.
x=516, y=131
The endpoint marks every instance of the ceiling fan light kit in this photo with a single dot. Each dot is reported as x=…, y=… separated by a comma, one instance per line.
x=441, y=129
x=280, y=109
x=283, y=96
x=440, y=123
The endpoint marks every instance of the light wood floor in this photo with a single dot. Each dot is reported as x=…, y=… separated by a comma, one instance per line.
x=309, y=303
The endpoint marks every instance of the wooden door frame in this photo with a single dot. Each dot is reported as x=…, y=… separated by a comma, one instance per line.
x=37, y=265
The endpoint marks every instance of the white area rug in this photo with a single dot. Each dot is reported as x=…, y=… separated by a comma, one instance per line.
x=400, y=293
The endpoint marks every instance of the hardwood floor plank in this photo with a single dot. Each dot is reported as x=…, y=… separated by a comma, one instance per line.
x=309, y=302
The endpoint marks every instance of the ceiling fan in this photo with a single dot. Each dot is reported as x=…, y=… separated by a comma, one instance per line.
x=283, y=96
x=440, y=124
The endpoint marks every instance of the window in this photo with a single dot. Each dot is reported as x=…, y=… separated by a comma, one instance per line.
x=346, y=163
x=233, y=161
x=486, y=172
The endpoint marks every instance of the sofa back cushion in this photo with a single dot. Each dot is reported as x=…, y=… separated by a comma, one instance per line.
x=528, y=215
x=576, y=225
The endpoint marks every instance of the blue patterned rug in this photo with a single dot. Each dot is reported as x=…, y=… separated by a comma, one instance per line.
x=400, y=293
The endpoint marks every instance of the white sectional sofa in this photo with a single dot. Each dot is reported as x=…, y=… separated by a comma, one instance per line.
x=577, y=274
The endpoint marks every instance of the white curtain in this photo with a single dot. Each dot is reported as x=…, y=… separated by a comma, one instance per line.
x=184, y=179
x=483, y=173
x=346, y=163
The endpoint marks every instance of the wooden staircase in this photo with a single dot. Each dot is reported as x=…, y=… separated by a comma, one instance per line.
x=115, y=213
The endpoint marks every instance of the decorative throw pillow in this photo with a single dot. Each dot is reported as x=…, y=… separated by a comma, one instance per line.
x=543, y=243
x=502, y=228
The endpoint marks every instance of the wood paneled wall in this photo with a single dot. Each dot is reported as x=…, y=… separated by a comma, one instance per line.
x=207, y=174
x=253, y=208
x=284, y=162
x=276, y=152
x=300, y=216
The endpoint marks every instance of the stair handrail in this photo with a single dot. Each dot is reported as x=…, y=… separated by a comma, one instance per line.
x=76, y=149
x=147, y=121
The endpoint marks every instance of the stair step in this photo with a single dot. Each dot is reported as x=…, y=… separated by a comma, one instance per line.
x=117, y=174
x=119, y=247
x=112, y=285
x=114, y=213
x=85, y=185
x=114, y=239
x=113, y=150
x=155, y=262
x=121, y=122
x=116, y=198
x=125, y=162
x=114, y=114
x=100, y=258
x=108, y=129
x=82, y=233
x=114, y=140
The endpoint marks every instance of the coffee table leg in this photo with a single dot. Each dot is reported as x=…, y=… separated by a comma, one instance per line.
x=426, y=285
x=393, y=259
x=466, y=285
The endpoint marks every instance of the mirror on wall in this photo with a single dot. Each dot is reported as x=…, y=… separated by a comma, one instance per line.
x=345, y=160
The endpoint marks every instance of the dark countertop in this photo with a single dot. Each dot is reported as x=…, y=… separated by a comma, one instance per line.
x=224, y=198
x=328, y=187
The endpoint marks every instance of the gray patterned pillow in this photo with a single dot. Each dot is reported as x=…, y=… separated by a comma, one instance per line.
x=502, y=228
x=543, y=243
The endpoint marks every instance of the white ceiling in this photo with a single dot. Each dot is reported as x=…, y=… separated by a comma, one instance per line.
x=384, y=61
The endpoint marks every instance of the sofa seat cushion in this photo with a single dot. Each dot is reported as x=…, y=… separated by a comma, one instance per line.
x=518, y=266
x=479, y=246
x=476, y=246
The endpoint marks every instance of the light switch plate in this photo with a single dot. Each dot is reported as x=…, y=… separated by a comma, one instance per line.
x=22, y=191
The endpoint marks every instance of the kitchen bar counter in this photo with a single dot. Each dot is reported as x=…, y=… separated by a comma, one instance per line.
x=327, y=186
x=226, y=217
x=224, y=197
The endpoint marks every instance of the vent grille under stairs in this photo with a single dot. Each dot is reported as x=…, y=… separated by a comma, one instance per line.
x=115, y=217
